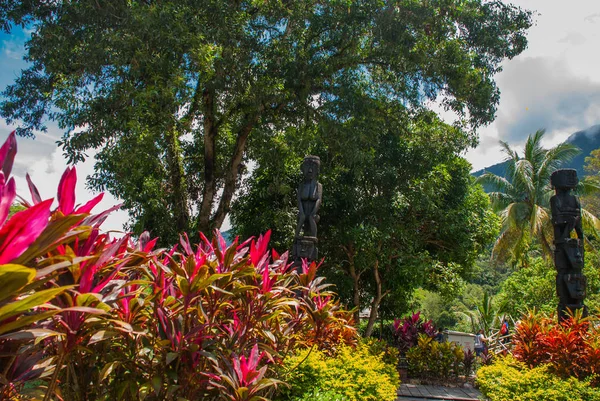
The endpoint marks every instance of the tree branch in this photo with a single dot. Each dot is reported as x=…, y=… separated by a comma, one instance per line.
x=233, y=168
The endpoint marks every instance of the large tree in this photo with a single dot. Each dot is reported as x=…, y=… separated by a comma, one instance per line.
x=169, y=93
x=399, y=207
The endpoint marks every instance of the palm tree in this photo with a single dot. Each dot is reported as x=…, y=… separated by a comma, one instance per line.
x=486, y=315
x=523, y=197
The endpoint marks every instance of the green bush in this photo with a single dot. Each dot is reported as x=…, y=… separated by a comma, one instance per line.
x=509, y=379
x=432, y=360
x=354, y=374
x=376, y=347
x=320, y=395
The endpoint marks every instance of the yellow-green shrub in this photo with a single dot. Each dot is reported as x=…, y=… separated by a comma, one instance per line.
x=354, y=373
x=509, y=379
x=432, y=360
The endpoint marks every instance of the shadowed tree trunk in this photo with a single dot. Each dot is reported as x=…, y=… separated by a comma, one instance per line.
x=379, y=294
x=177, y=181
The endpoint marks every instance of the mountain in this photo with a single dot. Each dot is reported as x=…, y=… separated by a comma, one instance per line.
x=586, y=140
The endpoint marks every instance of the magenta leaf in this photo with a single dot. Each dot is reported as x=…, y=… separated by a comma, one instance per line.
x=7, y=196
x=260, y=248
x=35, y=194
x=66, y=191
x=89, y=205
x=22, y=229
x=7, y=154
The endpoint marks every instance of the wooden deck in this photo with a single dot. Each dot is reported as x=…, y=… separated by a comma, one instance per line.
x=415, y=392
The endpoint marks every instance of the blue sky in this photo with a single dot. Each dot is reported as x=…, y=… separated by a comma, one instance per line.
x=554, y=84
x=40, y=157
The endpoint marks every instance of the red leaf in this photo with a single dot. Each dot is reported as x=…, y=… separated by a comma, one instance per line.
x=35, y=194
x=22, y=229
x=7, y=154
x=7, y=196
x=89, y=205
x=66, y=191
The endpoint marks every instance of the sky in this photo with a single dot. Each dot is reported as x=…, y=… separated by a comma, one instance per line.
x=554, y=85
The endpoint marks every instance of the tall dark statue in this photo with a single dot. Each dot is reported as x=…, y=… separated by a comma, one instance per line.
x=310, y=192
x=568, y=252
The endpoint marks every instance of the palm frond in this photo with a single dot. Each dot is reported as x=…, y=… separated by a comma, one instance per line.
x=533, y=148
x=509, y=245
x=515, y=215
x=588, y=187
x=511, y=158
x=497, y=182
x=556, y=157
x=546, y=238
x=500, y=200
x=524, y=177
x=590, y=223
x=544, y=195
x=539, y=217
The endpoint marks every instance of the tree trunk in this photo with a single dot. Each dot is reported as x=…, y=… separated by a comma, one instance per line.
x=177, y=181
x=233, y=168
x=355, y=291
x=376, y=300
x=210, y=135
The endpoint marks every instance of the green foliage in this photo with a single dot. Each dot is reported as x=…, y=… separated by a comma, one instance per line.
x=488, y=275
x=321, y=395
x=486, y=315
x=522, y=199
x=535, y=287
x=434, y=361
x=382, y=347
x=591, y=201
x=14, y=209
x=509, y=379
x=426, y=225
x=356, y=374
x=436, y=308
x=177, y=96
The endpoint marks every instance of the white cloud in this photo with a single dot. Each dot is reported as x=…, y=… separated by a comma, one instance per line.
x=44, y=162
x=553, y=84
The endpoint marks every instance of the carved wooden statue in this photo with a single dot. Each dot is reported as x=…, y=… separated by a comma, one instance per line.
x=568, y=251
x=309, y=197
x=310, y=192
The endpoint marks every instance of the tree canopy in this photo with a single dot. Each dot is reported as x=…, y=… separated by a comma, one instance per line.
x=399, y=207
x=171, y=94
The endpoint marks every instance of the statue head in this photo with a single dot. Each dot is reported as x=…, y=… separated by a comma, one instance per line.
x=305, y=248
x=576, y=285
x=310, y=167
x=564, y=179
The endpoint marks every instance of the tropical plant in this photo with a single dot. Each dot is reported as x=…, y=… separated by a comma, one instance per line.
x=468, y=362
x=522, y=198
x=486, y=315
x=434, y=361
x=357, y=374
x=591, y=201
x=570, y=348
x=408, y=330
x=102, y=318
x=510, y=379
x=28, y=273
